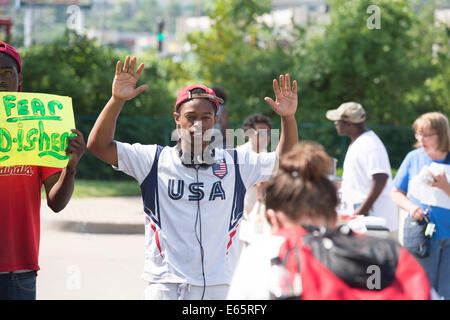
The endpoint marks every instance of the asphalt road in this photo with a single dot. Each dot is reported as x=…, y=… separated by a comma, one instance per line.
x=90, y=266
x=93, y=250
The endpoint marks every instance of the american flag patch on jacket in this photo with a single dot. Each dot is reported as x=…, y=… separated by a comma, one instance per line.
x=219, y=168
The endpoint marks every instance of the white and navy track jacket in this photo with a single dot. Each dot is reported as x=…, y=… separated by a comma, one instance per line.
x=187, y=215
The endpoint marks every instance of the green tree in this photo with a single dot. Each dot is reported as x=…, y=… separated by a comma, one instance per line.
x=80, y=68
x=239, y=54
x=385, y=69
x=376, y=67
x=437, y=86
x=391, y=71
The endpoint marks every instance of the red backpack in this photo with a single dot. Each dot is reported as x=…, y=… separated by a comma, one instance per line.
x=336, y=264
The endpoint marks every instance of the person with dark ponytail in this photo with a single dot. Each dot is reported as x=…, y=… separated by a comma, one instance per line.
x=308, y=256
x=301, y=193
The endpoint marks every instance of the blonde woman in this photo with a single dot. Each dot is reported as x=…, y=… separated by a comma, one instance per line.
x=421, y=185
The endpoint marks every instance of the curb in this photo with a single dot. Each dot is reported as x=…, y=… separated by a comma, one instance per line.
x=109, y=215
x=96, y=227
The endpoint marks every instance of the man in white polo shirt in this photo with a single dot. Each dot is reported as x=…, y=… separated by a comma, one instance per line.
x=366, y=177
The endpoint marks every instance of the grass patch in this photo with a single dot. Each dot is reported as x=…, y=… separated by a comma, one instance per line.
x=98, y=188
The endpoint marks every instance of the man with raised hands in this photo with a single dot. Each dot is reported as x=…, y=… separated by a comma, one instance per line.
x=193, y=193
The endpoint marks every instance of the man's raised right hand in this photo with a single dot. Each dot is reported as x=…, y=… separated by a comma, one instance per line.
x=124, y=84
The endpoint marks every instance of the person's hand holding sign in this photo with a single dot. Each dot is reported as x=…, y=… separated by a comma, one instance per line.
x=75, y=148
x=124, y=84
x=59, y=187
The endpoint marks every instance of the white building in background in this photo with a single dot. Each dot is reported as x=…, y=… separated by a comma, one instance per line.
x=442, y=16
x=301, y=12
x=284, y=11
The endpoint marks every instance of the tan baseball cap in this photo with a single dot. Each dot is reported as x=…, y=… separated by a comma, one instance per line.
x=349, y=111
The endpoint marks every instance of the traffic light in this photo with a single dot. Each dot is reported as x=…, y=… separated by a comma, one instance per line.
x=160, y=34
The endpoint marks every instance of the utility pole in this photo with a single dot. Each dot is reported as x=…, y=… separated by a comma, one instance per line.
x=28, y=25
x=160, y=36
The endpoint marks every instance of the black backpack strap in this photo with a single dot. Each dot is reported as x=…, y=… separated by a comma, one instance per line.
x=296, y=285
x=296, y=256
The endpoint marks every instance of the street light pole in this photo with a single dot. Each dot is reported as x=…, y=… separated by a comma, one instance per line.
x=28, y=25
x=160, y=35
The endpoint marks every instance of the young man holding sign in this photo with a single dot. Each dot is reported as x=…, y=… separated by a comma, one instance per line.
x=20, y=198
x=193, y=193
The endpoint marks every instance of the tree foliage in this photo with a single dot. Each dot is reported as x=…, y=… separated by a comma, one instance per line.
x=376, y=67
x=234, y=54
x=391, y=71
x=80, y=68
x=396, y=72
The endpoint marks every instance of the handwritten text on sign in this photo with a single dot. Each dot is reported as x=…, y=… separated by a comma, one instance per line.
x=34, y=129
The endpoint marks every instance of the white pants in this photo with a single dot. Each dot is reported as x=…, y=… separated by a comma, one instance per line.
x=184, y=291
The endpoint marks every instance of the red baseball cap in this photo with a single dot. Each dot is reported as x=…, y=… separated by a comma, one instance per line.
x=186, y=95
x=10, y=51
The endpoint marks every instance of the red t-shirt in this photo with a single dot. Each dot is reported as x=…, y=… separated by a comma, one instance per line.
x=20, y=204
